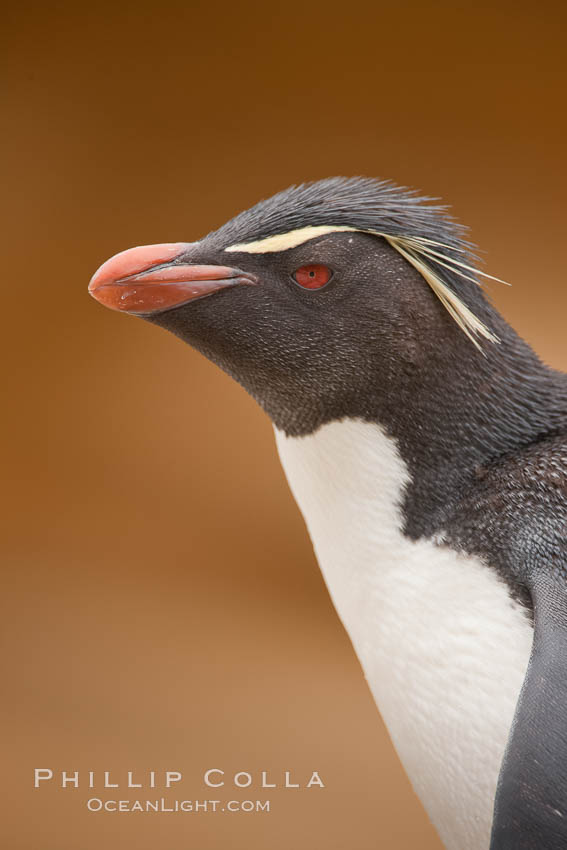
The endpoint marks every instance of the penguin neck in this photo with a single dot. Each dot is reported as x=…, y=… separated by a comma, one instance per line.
x=464, y=411
x=452, y=411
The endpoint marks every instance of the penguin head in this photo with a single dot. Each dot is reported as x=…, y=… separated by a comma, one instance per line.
x=325, y=301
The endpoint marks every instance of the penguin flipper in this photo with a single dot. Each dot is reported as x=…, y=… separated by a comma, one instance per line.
x=531, y=799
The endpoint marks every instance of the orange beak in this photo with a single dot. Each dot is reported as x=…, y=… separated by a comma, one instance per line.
x=150, y=278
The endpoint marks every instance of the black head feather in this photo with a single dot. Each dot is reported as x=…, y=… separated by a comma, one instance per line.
x=360, y=202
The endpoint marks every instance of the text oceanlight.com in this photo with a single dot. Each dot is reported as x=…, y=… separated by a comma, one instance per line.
x=95, y=804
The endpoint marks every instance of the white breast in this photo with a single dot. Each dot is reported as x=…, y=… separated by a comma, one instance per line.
x=443, y=647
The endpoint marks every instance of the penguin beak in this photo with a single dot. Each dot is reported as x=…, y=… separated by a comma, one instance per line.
x=153, y=278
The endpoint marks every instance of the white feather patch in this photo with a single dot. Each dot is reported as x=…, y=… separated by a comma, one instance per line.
x=443, y=646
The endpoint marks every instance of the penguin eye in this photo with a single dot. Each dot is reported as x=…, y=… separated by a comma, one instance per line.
x=312, y=277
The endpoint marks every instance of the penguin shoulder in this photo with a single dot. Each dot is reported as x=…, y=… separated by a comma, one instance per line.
x=514, y=514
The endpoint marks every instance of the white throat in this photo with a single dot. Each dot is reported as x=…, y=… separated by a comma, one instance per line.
x=442, y=646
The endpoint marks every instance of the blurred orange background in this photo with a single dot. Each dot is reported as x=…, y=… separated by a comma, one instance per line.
x=162, y=605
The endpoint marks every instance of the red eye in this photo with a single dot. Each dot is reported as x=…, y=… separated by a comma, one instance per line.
x=313, y=277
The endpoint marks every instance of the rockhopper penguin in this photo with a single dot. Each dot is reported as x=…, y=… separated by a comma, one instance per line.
x=426, y=445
